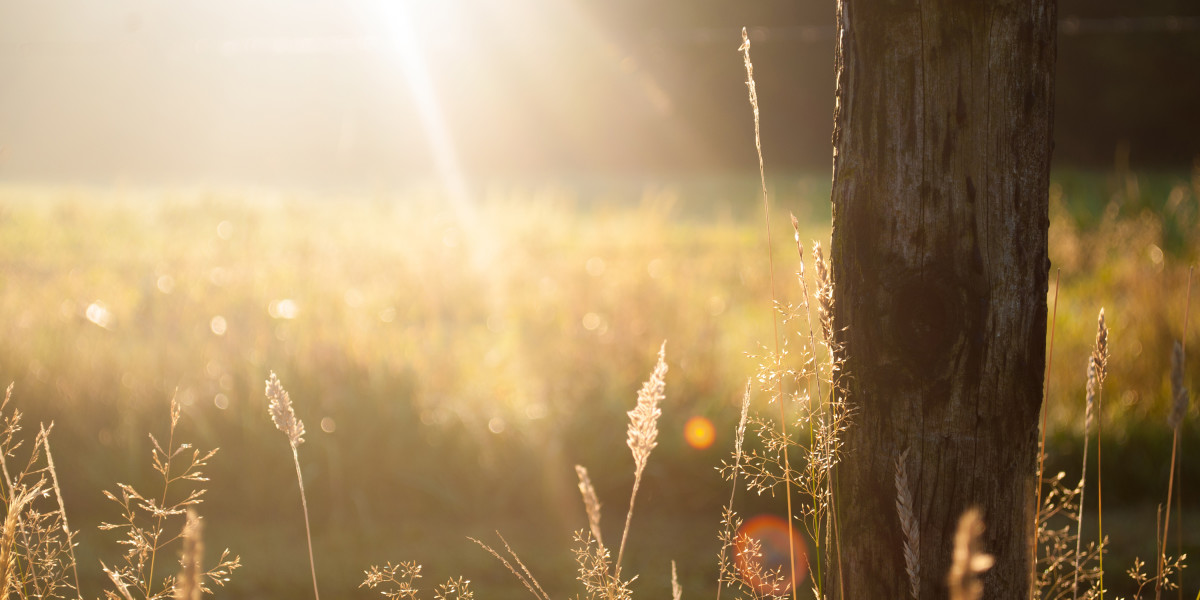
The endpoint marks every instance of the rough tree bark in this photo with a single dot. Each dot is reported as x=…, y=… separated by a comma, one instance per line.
x=942, y=150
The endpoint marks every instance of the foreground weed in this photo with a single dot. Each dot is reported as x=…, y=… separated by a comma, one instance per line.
x=526, y=578
x=397, y=581
x=599, y=574
x=37, y=556
x=150, y=525
x=1061, y=568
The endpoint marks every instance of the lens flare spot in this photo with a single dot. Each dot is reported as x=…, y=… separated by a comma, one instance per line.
x=699, y=432
x=286, y=309
x=98, y=313
x=218, y=325
x=762, y=555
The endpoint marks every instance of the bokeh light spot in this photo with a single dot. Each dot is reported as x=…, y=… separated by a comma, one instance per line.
x=218, y=325
x=328, y=425
x=591, y=321
x=98, y=313
x=283, y=309
x=699, y=432
x=762, y=555
x=165, y=284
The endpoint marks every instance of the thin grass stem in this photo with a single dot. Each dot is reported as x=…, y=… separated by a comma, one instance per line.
x=62, y=509
x=1037, y=515
x=762, y=176
x=307, y=530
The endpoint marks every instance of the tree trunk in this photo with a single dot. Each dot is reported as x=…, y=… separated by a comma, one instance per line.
x=942, y=149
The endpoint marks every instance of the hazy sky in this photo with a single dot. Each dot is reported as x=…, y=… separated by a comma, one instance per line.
x=279, y=90
x=365, y=93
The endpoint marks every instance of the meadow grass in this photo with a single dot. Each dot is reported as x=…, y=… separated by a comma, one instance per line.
x=463, y=387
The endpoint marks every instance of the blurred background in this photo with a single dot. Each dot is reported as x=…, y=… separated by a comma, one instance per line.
x=459, y=231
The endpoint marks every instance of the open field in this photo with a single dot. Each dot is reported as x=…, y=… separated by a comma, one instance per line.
x=453, y=365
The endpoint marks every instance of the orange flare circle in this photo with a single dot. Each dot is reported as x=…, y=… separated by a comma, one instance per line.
x=768, y=572
x=699, y=433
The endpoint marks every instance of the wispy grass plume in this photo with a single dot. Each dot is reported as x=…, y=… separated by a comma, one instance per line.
x=762, y=175
x=643, y=435
x=280, y=408
x=590, y=503
x=1096, y=367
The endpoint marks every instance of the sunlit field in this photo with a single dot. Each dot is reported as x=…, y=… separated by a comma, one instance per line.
x=453, y=365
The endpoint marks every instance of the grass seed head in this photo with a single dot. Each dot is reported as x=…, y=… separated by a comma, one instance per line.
x=280, y=408
x=590, y=502
x=1100, y=352
x=643, y=419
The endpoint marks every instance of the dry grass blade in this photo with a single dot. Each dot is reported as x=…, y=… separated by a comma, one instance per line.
x=44, y=437
x=523, y=575
x=968, y=560
x=590, y=502
x=908, y=525
x=188, y=583
x=118, y=581
x=643, y=435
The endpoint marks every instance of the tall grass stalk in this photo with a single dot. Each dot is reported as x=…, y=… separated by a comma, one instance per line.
x=280, y=408
x=738, y=438
x=1093, y=385
x=1179, y=406
x=1037, y=515
x=1100, y=358
x=44, y=438
x=812, y=343
x=762, y=175
x=643, y=435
